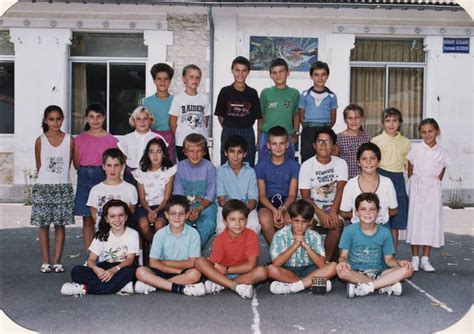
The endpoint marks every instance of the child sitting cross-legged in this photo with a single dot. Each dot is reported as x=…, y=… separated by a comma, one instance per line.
x=233, y=261
x=297, y=254
x=174, y=251
x=365, y=248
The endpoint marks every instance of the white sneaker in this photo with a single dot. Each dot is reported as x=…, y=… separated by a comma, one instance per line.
x=280, y=288
x=212, y=287
x=395, y=289
x=363, y=289
x=143, y=288
x=244, y=290
x=194, y=289
x=127, y=289
x=350, y=290
x=426, y=266
x=73, y=289
x=415, y=263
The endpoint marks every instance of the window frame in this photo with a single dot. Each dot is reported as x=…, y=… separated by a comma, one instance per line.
x=99, y=60
x=9, y=59
x=387, y=65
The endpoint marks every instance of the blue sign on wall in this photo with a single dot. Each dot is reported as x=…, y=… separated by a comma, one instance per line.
x=455, y=45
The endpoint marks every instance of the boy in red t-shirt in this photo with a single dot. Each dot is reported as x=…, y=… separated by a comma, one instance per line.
x=233, y=261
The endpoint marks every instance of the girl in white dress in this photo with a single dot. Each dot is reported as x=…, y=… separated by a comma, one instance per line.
x=426, y=166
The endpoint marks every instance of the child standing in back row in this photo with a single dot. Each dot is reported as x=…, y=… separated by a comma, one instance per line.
x=189, y=111
x=159, y=104
x=52, y=198
x=237, y=108
x=426, y=166
x=394, y=148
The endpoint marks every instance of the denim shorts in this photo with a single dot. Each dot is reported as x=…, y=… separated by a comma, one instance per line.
x=302, y=271
x=87, y=177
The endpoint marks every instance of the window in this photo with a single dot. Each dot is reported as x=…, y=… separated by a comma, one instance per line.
x=7, y=84
x=389, y=73
x=109, y=69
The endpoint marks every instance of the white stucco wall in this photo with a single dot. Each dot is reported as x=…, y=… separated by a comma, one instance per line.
x=179, y=35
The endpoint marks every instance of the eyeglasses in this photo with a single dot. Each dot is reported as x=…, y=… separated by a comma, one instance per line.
x=174, y=214
x=324, y=142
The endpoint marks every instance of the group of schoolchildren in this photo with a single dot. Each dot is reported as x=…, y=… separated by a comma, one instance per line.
x=351, y=189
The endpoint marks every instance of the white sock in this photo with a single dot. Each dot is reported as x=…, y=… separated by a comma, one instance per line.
x=371, y=284
x=297, y=286
x=425, y=259
x=415, y=259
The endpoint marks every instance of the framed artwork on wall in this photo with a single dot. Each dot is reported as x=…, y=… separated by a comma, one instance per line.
x=299, y=52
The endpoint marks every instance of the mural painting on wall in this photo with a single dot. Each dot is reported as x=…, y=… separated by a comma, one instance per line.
x=299, y=52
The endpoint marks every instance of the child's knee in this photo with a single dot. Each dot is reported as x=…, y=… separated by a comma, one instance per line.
x=406, y=271
x=193, y=275
x=141, y=272
x=261, y=273
x=272, y=271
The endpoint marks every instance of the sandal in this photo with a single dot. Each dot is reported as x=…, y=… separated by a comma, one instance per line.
x=58, y=268
x=45, y=268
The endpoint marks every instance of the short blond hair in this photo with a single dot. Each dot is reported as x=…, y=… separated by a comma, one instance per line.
x=137, y=111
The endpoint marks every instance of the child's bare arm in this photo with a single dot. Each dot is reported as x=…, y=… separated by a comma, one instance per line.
x=132, y=208
x=317, y=259
x=333, y=117
x=442, y=174
x=390, y=261
x=38, y=154
x=221, y=120
x=93, y=214
x=410, y=169
x=342, y=262
x=171, y=267
x=392, y=212
x=301, y=116
x=142, y=196
x=262, y=196
x=252, y=204
x=292, y=192
x=346, y=214
x=173, y=120
x=243, y=267
x=281, y=259
x=206, y=120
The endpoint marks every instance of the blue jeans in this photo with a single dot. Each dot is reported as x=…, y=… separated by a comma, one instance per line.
x=85, y=275
x=206, y=224
x=248, y=134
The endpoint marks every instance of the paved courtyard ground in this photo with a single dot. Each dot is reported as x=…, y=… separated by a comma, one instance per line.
x=430, y=302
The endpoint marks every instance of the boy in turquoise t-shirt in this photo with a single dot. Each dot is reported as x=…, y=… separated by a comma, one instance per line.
x=367, y=250
x=279, y=106
x=159, y=104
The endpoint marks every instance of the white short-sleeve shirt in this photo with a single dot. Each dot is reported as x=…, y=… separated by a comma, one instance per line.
x=154, y=183
x=385, y=191
x=322, y=179
x=116, y=248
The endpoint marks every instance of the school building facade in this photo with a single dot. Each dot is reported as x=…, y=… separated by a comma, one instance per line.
x=416, y=55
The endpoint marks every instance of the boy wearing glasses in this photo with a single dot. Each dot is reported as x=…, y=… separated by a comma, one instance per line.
x=173, y=253
x=321, y=181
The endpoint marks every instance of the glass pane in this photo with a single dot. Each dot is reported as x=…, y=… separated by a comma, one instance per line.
x=389, y=50
x=127, y=91
x=368, y=91
x=89, y=84
x=108, y=45
x=6, y=48
x=405, y=92
x=7, y=97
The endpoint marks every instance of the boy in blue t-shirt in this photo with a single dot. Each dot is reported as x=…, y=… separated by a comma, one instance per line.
x=366, y=250
x=277, y=181
x=173, y=253
x=159, y=104
x=318, y=106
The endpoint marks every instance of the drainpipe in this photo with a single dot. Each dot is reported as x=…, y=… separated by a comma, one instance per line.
x=211, y=75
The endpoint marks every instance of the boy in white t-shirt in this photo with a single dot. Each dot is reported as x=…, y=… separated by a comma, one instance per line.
x=369, y=181
x=189, y=111
x=321, y=181
x=113, y=187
